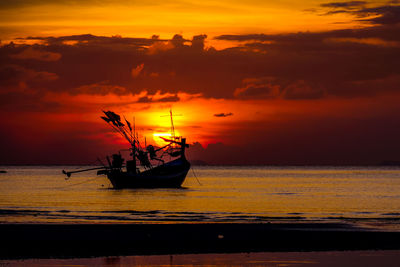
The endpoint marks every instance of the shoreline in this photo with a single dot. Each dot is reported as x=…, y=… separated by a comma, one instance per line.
x=24, y=241
x=387, y=258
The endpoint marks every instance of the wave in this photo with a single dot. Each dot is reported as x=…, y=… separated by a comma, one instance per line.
x=15, y=215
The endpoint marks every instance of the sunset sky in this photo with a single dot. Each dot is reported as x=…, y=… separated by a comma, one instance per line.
x=254, y=82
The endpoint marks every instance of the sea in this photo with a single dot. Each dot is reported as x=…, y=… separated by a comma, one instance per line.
x=362, y=196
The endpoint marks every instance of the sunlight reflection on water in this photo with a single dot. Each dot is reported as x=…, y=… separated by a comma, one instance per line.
x=233, y=194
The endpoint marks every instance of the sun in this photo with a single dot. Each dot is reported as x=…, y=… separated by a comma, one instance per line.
x=160, y=142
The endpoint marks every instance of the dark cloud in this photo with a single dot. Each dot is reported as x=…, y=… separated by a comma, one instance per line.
x=350, y=64
x=346, y=5
x=327, y=61
x=223, y=114
x=21, y=90
x=302, y=90
x=388, y=14
x=271, y=87
x=388, y=32
x=15, y=77
x=144, y=99
x=178, y=41
x=89, y=40
x=198, y=42
x=101, y=88
x=259, y=88
x=298, y=66
x=173, y=98
x=257, y=91
x=151, y=99
x=135, y=64
x=31, y=53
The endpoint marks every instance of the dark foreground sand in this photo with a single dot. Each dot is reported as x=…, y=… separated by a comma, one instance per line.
x=386, y=258
x=24, y=241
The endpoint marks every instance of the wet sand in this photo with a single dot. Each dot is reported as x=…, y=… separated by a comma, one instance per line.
x=23, y=241
x=387, y=258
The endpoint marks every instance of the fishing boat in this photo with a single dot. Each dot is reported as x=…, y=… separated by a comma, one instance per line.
x=149, y=166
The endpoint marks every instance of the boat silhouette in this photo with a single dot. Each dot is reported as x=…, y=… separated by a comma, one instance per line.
x=153, y=170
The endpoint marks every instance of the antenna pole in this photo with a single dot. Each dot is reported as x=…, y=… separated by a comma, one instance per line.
x=134, y=142
x=172, y=126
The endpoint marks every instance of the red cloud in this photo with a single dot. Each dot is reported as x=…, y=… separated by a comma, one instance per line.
x=343, y=95
x=137, y=70
x=31, y=53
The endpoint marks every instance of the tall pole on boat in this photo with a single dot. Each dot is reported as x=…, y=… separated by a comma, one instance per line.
x=134, y=144
x=172, y=126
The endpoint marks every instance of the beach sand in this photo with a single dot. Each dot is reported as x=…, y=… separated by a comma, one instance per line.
x=24, y=241
x=387, y=258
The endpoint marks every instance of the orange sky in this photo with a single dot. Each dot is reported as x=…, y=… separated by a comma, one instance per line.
x=166, y=18
x=284, y=82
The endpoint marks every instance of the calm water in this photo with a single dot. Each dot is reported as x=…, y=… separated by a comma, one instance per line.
x=365, y=196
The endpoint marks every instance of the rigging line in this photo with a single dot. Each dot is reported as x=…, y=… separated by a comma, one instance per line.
x=172, y=126
x=69, y=185
x=101, y=162
x=92, y=163
x=123, y=131
x=191, y=167
x=195, y=175
x=130, y=128
x=117, y=130
x=77, y=167
x=120, y=129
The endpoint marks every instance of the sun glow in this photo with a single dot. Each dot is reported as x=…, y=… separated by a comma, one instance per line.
x=157, y=138
x=159, y=141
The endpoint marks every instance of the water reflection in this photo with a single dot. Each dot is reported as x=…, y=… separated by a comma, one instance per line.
x=366, y=195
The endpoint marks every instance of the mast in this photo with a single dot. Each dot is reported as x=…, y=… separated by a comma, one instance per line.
x=132, y=163
x=172, y=125
x=134, y=142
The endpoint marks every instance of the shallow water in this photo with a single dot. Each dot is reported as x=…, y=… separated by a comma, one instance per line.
x=360, y=195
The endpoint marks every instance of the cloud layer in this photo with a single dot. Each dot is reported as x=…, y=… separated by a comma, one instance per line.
x=326, y=97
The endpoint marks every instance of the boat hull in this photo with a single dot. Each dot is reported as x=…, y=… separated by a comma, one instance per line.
x=168, y=175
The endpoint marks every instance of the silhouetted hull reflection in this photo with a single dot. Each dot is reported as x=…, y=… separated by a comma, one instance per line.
x=168, y=175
